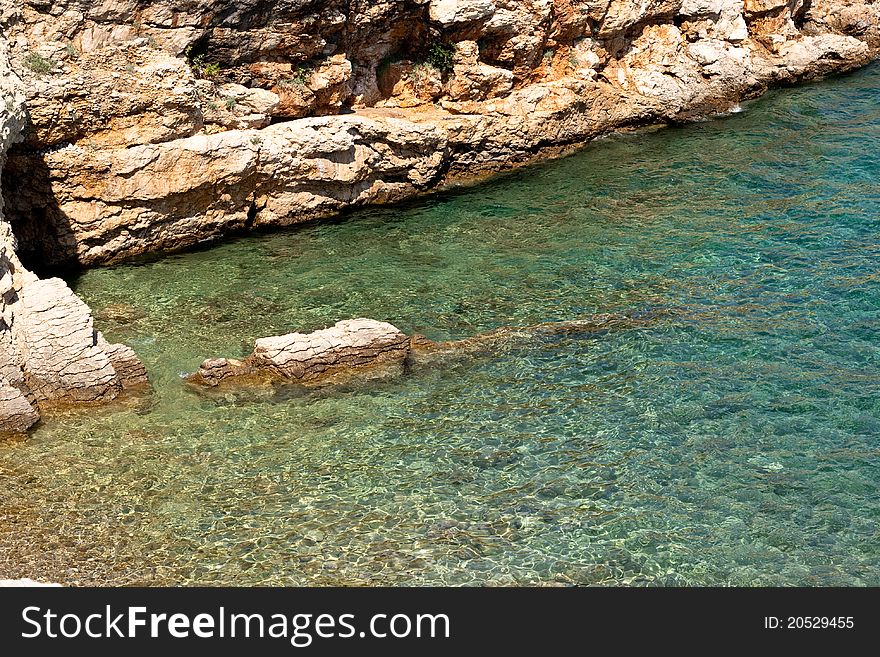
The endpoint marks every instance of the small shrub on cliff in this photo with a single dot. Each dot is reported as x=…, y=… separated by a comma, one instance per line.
x=440, y=56
x=300, y=77
x=231, y=102
x=205, y=70
x=37, y=63
x=211, y=71
x=418, y=71
x=202, y=69
x=303, y=75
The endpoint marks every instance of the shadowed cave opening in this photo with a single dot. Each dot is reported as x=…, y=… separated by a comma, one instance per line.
x=45, y=241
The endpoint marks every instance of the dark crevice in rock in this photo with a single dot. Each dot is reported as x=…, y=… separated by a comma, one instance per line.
x=251, y=216
x=42, y=230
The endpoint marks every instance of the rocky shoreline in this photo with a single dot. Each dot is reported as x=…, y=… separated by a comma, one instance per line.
x=50, y=352
x=130, y=128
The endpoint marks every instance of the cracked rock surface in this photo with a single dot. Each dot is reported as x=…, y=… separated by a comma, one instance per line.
x=347, y=345
x=155, y=126
x=355, y=344
x=49, y=350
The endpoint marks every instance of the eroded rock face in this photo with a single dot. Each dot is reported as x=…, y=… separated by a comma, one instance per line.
x=49, y=350
x=154, y=126
x=455, y=12
x=205, y=186
x=16, y=413
x=347, y=345
x=55, y=331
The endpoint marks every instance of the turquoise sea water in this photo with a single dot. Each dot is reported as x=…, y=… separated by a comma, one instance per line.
x=734, y=439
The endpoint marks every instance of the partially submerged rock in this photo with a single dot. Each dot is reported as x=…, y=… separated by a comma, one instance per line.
x=128, y=366
x=354, y=345
x=58, y=337
x=347, y=345
x=16, y=413
x=50, y=354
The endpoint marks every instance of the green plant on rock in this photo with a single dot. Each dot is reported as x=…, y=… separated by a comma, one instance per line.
x=72, y=52
x=420, y=75
x=38, y=64
x=202, y=68
x=230, y=102
x=303, y=74
x=418, y=71
x=441, y=56
x=211, y=71
x=300, y=77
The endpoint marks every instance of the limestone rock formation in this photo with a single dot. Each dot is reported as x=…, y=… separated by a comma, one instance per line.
x=49, y=350
x=455, y=12
x=16, y=413
x=157, y=126
x=188, y=190
x=349, y=344
x=125, y=361
x=55, y=331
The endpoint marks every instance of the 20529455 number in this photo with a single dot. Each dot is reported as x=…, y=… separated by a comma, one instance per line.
x=819, y=622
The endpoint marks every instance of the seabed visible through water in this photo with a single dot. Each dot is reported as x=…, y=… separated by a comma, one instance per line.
x=735, y=441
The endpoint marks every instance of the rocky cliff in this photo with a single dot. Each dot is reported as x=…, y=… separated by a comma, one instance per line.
x=49, y=350
x=157, y=125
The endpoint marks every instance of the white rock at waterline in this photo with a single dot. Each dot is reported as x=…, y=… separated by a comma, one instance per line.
x=24, y=582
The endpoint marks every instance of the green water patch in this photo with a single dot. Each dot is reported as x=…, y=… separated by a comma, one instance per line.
x=735, y=440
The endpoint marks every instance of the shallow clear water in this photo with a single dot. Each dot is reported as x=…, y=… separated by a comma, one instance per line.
x=734, y=441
